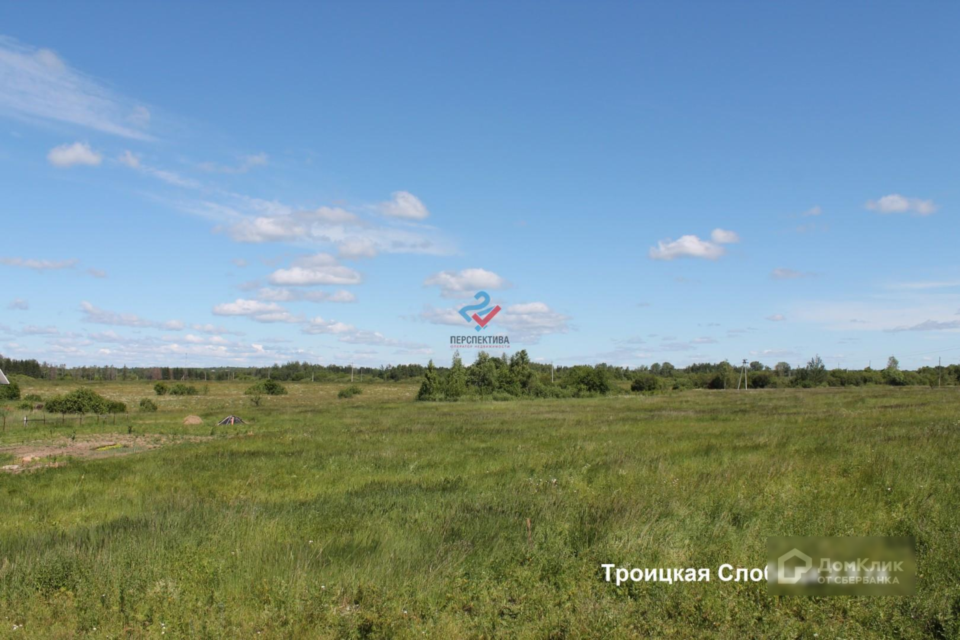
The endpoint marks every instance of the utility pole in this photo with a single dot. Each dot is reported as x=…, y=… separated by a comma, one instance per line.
x=743, y=376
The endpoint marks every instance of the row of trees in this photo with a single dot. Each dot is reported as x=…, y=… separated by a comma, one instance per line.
x=505, y=378
x=289, y=372
x=514, y=376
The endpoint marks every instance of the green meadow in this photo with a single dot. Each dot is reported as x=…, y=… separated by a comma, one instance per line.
x=377, y=516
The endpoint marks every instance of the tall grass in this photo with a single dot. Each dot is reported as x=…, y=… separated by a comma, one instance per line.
x=383, y=517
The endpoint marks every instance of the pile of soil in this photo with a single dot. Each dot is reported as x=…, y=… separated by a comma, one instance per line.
x=189, y=420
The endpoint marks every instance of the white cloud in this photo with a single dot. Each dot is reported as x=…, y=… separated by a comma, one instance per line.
x=96, y=273
x=434, y=315
x=36, y=84
x=930, y=325
x=782, y=273
x=465, y=283
x=812, y=211
x=39, y=265
x=321, y=268
x=405, y=206
x=357, y=248
x=291, y=295
x=69, y=155
x=259, y=311
x=896, y=203
x=528, y=322
x=133, y=161
x=18, y=304
x=722, y=236
x=102, y=316
x=246, y=164
x=239, y=262
x=777, y=317
x=686, y=247
x=320, y=326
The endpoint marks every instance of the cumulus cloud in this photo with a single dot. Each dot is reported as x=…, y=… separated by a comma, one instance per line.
x=466, y=282
x=722, y=236
x=96, y=315
x=69, y=155
x=39, y=85
x=250, y=220
x=530, y=321
x=257, y=310
x=321, y=268
x=434, y=315
x=688, y=246
x=96, y=273
x=777, y=317
x=276, y=294
x=320, y=326
x=404, y=205
x=39, y=265
x=896, y=203
x=18, y=304
x=812, y=211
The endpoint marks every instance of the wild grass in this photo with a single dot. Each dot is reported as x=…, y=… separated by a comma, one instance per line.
x=384, y=517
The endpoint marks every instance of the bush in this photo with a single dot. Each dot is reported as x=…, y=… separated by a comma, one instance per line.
x=644, y=382
x=161, y=388
x=84, y=401
x=25, y=406
x=586, y=380
x=10, y=391
x=115, y=406
x=181, y=389
x=148, y=406
x=267, y=387
x=32, y=397
x=349, y=392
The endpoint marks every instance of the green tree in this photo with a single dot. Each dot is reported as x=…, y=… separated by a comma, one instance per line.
x=431, y=385
x=456, y=384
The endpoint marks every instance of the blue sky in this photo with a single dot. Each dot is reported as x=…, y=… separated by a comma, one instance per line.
x=217, y=184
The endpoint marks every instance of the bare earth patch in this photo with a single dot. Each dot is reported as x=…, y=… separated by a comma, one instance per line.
x=47, y=454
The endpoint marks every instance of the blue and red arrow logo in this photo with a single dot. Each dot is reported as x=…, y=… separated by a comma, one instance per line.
x=482, y=313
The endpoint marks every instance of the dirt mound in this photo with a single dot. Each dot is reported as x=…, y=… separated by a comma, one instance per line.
x=192, y=420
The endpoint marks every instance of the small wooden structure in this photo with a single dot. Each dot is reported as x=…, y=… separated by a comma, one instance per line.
x=231, y=420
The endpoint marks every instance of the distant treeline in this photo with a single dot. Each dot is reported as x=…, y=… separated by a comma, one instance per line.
x=516, y=376
x=489, y=375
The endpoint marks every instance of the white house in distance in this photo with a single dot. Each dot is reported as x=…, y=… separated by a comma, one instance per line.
x=3, y=378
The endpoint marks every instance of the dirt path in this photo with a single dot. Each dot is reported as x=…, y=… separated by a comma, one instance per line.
x=52, y=453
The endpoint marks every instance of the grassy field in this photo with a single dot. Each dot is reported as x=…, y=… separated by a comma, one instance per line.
x=381, y=517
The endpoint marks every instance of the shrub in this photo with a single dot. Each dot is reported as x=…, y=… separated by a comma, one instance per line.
x=181, y=389
x=115, y=406
x=349, y=392
x=587, y=380
x=10, y=391
x=148, y=406
x=161, y=388
x=84, y=401
x=644, y=382
x=32, y=397
x=25, y=406
x=267, y=387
